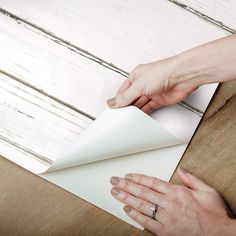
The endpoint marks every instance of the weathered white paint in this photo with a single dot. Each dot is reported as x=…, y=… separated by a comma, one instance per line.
x=34, y=123
x=34, y=126
x=35, y=58
x=56, y=70
x=223, y=11
x=41, y=128
x=28, y=118
x=121, y=32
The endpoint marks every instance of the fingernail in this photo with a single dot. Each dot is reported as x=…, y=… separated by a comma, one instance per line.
x=128, y=176
x=111, y=102
x=115, y=191
x=183, y=170
x=114, y=180
x=127, y=209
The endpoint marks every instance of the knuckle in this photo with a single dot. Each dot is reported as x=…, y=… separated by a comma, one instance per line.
x=134, y=74
x=120, y=97
x=135, y=216
x=138, y=67
x=124, y=197
x=141, y=206
x=151, y=106
x=146, y=223
x=138, y=88
x=143, y=192
x=125, y=184
x=154, y=182
x=181, y=190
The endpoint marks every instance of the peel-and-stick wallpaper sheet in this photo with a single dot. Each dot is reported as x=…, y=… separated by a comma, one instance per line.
x=120, y=141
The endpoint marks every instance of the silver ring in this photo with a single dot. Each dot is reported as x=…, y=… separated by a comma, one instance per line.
x=154, y=211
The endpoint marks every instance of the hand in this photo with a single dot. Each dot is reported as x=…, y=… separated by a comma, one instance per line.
x=171, y=80
x=151, y=86
x=193, y=209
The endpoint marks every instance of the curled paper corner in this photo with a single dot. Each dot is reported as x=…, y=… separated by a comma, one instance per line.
x=115, y=133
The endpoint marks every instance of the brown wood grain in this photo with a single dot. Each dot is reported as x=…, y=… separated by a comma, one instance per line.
x=30, y=205
x=211, y=154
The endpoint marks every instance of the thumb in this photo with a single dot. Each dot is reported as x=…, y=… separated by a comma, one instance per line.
x=193, y=182
x=124, y=98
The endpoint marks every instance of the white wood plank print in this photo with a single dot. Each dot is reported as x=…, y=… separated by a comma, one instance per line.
x=121, y=32
x=62, y=72
x=35, y=124
x=221, y=11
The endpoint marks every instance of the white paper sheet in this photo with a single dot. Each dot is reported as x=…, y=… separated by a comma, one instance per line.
x=116, y=132
x=120, y=141
x=91, y=181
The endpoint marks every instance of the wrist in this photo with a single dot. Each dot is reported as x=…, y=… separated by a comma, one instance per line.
x=183, y=71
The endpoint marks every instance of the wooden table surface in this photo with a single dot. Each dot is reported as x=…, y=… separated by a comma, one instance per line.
x=30, y=205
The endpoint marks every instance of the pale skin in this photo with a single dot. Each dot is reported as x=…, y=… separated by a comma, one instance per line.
x=194, y=208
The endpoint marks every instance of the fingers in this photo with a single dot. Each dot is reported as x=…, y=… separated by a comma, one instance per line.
x=150, y=182
x=141, y=101
x=145, y=221
x=150, y=107
x=126, y=94
x=126, y=84
x=139, y=204
x=193, y=182
x=139, y=191
x=124, y=98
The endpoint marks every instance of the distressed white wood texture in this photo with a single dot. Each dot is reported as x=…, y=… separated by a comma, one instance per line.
x=223, y=11
x=121, y=32
x=57, y=70
x=55, y=76
x=61, y=71
x=41, y=128
x=35, y=124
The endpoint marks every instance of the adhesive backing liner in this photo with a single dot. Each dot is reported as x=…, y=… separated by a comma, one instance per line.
x=119, y=141
x=115, y=133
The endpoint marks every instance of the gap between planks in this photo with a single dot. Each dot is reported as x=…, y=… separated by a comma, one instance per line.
x=62, y=42
x=48, y=95
x=206, y=17
x=35, y=124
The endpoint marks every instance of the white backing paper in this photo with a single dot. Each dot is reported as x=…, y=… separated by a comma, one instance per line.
x=120, y=141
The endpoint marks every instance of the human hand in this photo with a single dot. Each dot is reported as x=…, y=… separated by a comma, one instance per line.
x=151, y=86
x=171, y=80
x=193, y=209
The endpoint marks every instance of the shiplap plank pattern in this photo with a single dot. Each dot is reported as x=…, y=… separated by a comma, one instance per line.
x=35, y=123
x=124, y=33
x=222, y=12
x=58, y=45
x=57, y=70
x=57, y=67
x=211, y=156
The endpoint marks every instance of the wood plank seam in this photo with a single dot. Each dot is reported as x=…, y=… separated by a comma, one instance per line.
x=38, y=30
x=48, y=95
x=203, y=16
x=63, y=42
x=33, y=154
x=57, y=113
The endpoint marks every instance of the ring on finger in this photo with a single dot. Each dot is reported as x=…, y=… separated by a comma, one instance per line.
x=154, y=210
